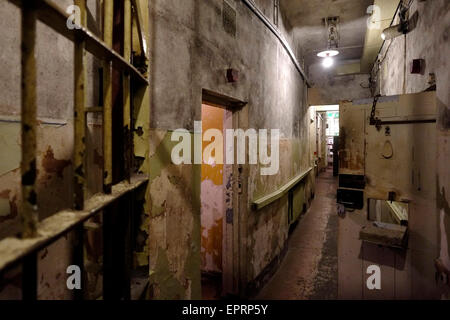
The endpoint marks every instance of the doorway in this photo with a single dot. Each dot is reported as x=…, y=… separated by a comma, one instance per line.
x=216, y=197
x=327, y=137
x=223, y=196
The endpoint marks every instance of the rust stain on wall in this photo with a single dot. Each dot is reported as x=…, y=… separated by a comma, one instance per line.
x=5, y=194
x=52, y=165
x=213, y=242
x=13, y=212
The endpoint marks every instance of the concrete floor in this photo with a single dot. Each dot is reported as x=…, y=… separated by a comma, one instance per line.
x=309, y=270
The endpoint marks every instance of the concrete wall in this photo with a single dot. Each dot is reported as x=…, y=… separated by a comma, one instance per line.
x=190, y=52
x=429, y=41
x=329, y=88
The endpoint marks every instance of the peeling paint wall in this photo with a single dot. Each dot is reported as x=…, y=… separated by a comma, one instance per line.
x=276, y=96
x=174, y=229
x=429, y=40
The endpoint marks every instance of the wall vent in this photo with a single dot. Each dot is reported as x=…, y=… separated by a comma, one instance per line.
x=229, y=19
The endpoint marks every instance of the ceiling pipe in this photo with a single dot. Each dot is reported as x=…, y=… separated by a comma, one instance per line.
x=373, y=42
x=280, y=37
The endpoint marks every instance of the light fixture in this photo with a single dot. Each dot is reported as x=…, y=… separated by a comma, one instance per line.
x=391, y=32
x=333, y=42
x=328, y=53
x=327, y=62
x=400, y=29
x=327, y=57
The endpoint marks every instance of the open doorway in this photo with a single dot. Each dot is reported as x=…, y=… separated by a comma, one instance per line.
x=223, y=195
x=327, y=137
x=215, y=198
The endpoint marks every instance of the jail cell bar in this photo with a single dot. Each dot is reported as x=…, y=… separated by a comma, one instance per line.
x=53, y=16
x=107, y=98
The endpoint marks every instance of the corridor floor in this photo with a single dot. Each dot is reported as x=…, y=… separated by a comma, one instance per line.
x=309, y=270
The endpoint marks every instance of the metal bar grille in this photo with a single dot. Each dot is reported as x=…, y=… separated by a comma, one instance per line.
x=14, y=250
x=107, y=98
x=116, y=202
x=126, y=90
x=29, y=214
x=79, y=115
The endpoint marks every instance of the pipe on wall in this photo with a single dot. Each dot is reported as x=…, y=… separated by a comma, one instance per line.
x=280, y=37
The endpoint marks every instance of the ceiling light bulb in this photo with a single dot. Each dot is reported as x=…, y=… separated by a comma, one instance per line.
x=328, y=53
x=383, y=36
x=327, y=62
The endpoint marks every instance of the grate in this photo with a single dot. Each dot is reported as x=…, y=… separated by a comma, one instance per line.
x=229, y=19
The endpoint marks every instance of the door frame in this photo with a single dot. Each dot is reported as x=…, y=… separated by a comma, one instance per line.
x=234, y=255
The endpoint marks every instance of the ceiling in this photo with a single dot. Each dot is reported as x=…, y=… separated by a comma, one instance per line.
x=306, y=18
